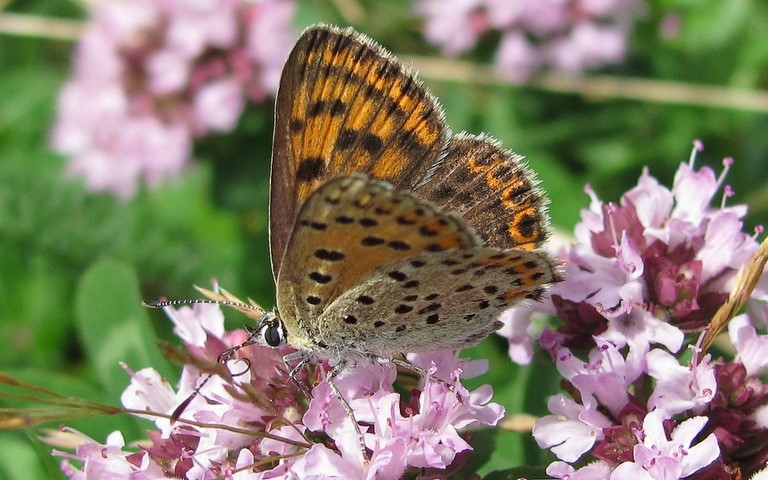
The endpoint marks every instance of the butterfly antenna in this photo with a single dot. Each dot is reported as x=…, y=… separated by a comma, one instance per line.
x=175, y=303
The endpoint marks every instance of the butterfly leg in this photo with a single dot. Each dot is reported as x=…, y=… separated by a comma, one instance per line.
x=293, y=374
x=340, y=367
x=421, y=372
x=304, y=359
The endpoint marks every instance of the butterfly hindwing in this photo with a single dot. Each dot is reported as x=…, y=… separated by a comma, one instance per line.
x=348, y=228
x=435, y=300
x=493, y=190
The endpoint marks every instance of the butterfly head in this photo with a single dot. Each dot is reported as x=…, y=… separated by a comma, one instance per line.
x=271, y=331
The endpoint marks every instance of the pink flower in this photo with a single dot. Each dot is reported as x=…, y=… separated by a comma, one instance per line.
x=545, y=17
x=572, y=430
x=587, y=46
x=152, y=75
x=266, y=43
x=639, y=330
x=519, y=330
x=451, y=24
x=594, y=471
x=106, y=460
x=195, y=25
x=168, y=72
x=603, y=379
x=218, y=105
x=643, y=272
x=658, y=262
x=517, y=58
x=659, y=457
x=751, y=348
x=680, y=388
x=258, y=416
x=568, y=35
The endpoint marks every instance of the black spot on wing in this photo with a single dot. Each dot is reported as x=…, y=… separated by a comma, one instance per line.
x=319, y=226
x=371, y=241
x=346, y=139
x=320, y=277
x=430, y=308
x=399, y=245
x=403, y=308
x=427, y=232
x=310, y=169
x=329, y=255
x=372, y=143
x=397, y=275
x=365, y=299
x=296, y=125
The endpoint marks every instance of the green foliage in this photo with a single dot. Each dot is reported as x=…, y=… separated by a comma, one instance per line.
x=74, y=266
x=113, y=326
x=25, y=457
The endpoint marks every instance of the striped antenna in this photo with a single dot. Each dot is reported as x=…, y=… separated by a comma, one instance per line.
x=175, y=303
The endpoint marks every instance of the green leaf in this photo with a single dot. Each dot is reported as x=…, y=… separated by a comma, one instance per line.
x=457, y=102
x=483, y=444
x=529, y=473
x=21, y=460
x=565, y=191
x=114, y=326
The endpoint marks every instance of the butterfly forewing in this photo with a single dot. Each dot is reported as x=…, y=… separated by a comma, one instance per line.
x=346, y=105
x=435, y=300
x=493, y=190
x=348, y=228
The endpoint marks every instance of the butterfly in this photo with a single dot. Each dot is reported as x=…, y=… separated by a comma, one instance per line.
x=388, y=234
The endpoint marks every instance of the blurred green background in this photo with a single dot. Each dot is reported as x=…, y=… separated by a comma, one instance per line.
x=74, y=266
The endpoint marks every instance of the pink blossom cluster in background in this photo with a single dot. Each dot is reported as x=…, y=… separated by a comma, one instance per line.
x=149, y=76
x=418, y=431
x=565, y=35
x=645, y=277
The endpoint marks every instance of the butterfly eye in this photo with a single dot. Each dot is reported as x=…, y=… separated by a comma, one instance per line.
x=273, y=335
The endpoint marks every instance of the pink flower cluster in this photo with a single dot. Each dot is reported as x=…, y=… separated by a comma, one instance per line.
x=151, y=75
x=567, y=35
x=644, y=279
x=258, y=425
